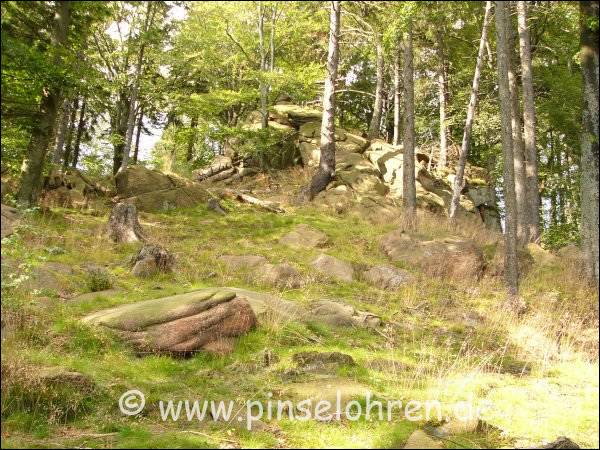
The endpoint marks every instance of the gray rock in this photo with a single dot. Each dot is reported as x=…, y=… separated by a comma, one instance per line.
x=320, y=362
x=420, y=439
x=342, y=314
x=243, y=262
x=386, y=277
x=281, y=275
x=9, y=219
x=334, y=268
x=304, y=236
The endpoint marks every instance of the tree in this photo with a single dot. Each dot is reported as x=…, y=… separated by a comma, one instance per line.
x=79, y=135
x=63, y=120
x=511, y=271
x=589, y=138
x=442, y=98
x=459, y=182
x=150, y=13
x=531, y=164
x=31, y=171
x=409, y=192
x=375, y=125
x=326, y=170
x=518, y=147
x=397, y=97
x=71, y=130
x=264, y=88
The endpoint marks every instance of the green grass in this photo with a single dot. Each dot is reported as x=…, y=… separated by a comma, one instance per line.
x=443, y=356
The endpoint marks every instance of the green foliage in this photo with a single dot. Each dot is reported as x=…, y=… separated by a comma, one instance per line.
x=98, y=279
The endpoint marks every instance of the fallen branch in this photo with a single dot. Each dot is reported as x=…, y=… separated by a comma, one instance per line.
x=223, y=175
x=269, y=206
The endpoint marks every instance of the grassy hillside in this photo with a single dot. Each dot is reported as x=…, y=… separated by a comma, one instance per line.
x=448, y=340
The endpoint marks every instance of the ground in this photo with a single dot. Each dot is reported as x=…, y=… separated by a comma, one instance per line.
x=451, y=340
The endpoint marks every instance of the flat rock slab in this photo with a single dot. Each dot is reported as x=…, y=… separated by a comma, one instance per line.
x=282, y=275
x=334, y=268
x=420, y=439
x=342, y=315
x=304, y=236
x=201, y=320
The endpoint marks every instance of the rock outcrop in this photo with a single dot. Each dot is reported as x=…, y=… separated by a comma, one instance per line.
x=152, y=190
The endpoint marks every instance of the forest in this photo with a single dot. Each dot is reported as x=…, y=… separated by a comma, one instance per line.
x=255, y=224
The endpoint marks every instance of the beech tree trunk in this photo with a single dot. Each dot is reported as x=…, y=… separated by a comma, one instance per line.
x=192, y=140
x=63, y=121
x=263, y=88
x=518, y=148
x=531, y=158
x=459, y=179
x=589, y=139
x=69, y=137
x=80, y=130
x=511, y=270
x=409, y=192
x=43, y=129
x=397, y=106
x=135, y=91
x=138, y=133
x=326, y=170
x=375, y=125
x=442, y=100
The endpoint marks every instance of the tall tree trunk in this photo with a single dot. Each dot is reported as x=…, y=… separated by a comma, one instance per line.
x=138, y=133
x=192, y=141
x=326, y=170
x=61, y=133
x=80, y=130
x=531, y=159
x=409, y=193
x=263, y=88
x=375, y=125
x=135, y=90
x=272, y=38
x=511, y=270
x=589, y=139
x=69, y=138
x=459, y=182
x=397, y=106
x=33, y=163
x=119, y=128
x=518, y=148
x=442, y=100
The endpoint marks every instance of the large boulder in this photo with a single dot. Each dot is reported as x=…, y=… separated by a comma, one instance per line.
x=151, y=190
x=361, y=182
x=334, y=268
x=9, y=219
x=137, y=180
x=203, y=320
x=297, y=115
x=310, y=154
x=455, y=258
